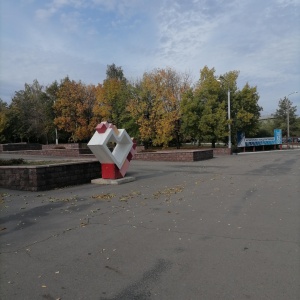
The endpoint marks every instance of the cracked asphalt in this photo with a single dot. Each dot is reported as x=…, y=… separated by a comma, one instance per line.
x=225, y=228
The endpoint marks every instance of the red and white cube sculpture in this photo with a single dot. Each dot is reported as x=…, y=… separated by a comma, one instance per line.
x=114, y=164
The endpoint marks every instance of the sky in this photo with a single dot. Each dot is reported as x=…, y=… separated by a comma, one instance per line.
x=48, y=40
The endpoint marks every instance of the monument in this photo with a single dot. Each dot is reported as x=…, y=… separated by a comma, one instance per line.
x=114, y=149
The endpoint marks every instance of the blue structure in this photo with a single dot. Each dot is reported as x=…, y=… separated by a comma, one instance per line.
x=242, y=141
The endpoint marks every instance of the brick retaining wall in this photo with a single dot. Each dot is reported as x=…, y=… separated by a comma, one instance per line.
x=19, y=146
x=180, y=155
x=47, y=177
x=222, y=151
x=77, y=150
x=74, y=149
x=66, y=146
x=52, y=152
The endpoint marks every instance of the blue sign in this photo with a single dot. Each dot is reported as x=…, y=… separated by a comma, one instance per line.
x=278, y=136
x=253, y=142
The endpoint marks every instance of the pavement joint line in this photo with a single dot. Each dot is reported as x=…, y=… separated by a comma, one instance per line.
x=272, y=151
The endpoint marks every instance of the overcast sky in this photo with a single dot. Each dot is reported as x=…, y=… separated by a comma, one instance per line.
x=50, y=39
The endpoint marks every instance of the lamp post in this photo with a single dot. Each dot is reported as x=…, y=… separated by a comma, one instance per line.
x=228, y=104
x=288, y=116
x=56, y=135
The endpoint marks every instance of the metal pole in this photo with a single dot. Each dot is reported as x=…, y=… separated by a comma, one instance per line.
x=228, y=104
x=288, y=120
x=56, y=137
x=229, y=125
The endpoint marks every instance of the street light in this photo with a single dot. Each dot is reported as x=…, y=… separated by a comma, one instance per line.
x=56, y=136
x=228, y=104
x=288, y=115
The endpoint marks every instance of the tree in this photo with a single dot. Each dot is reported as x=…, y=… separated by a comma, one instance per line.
x=244, y=108
x=112, y=98
x=3, y=120
x=141, y=109
x=209, y=94
x=245, y=112
x=266, y=128
x=114, y=72
x=51, y=92
x=281, y=120
x=156, y=105
x=204, y=110
x=296, y=130
x=191, y=112
x=74, y=109
x=28, y=113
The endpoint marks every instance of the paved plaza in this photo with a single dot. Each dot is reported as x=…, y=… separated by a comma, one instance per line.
x=225, y=228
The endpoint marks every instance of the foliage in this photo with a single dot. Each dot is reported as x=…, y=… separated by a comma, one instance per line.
x=161, y=108
x=112, y=98
x=74, y=109
x=155, y=105
x=114, y=72
x=191, y=112
x=205, y=109
x=3, y=120
x=296, y=128
x=266, y=128
x=285, y=106
x=213, y=122
x=29, y=116
x=246, y=111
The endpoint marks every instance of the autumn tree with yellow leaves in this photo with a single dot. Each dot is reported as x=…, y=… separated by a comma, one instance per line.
x=74, y=109
x=112, y=99
x=155, y=105
x=160, y=108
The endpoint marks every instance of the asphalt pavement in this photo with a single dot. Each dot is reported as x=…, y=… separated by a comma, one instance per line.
x=225, y=228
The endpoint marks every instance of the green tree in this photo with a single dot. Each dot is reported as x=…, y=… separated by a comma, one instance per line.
x=28, y=113
x=213, y=121
x=114, y=72
x=296, y=131
x=245, y=112
x=244, y=108
x=286, y=113
x=191, y=112
x=3, y=120
x=51, y=91
x=266, y=128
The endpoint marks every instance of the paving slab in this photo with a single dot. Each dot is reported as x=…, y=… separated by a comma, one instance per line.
x=225, y=228
x=113, y=181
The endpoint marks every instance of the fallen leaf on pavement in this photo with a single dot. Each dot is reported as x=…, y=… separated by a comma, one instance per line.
x=104, y=196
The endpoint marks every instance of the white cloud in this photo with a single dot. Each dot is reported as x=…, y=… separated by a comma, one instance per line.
x=49, y=40
x=71, y=21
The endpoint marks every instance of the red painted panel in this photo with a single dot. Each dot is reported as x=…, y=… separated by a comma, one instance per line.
x=110, y=171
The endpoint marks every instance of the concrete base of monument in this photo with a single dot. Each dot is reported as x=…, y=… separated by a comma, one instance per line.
x=113, y=181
